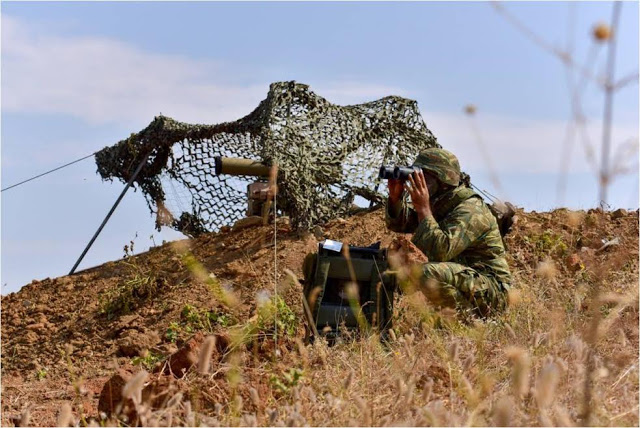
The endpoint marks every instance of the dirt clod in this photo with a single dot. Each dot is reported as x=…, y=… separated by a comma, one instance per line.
x=247, y=222
x=619, y=213
x=133, y=343
x=111, y=399
x=186, y=357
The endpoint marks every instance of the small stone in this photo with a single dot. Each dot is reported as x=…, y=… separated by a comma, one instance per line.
x=247, y=222
x=125, y=321
x=133, y=343
x=30, y=337
x=182, y=360
x=40, y=308
x=187, y=356
x=159, y=391
x=619, y=213
x=111, y=395
x=36, y=327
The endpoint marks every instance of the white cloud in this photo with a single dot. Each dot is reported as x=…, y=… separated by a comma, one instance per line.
x=104, y=81
x=348, y=92
x=519, y=145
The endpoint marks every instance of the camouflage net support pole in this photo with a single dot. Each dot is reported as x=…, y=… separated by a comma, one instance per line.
x=113, y=208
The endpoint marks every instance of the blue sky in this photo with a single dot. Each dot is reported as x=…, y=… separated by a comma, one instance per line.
x=80, y=76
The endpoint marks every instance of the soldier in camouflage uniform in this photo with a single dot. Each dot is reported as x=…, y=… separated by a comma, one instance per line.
x=454, y=228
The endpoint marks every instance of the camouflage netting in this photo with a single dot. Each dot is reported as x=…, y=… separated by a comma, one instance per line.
x=326, y=156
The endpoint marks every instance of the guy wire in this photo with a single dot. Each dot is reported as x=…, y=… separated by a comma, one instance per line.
x=48, y=172
x=484, y=193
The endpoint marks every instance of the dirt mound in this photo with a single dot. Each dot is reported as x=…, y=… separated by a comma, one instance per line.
x=63, y=338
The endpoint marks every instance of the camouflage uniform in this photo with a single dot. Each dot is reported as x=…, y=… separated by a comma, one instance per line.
x=467, y=268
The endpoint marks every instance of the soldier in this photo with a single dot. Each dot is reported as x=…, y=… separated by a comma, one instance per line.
x=457, y=232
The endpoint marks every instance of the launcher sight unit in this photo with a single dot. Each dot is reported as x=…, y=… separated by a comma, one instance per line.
x=396, y=173
x=258, y=191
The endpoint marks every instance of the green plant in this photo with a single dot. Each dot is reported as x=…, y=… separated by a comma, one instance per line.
x=220, y=318
x=275, y=318
x=148, y=360
x=173, y=331
x=206, y=320
x=41, y=373
x=194, y=319
x=548, y=243
x=287, y=381
x=191, y=316
x=128, y=295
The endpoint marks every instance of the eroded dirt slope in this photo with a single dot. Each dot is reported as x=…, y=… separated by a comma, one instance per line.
x=58, y=330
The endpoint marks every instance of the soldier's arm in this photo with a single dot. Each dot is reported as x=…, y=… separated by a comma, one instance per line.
x=443, y=242
x=400, y=217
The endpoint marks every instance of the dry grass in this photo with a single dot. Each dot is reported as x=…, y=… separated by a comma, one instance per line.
x=549, y=361
x=564, y=354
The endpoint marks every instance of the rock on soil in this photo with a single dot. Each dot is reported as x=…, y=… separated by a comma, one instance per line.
x=619, y=213
x=247, y=222
x=155, y=394
x=111, y=400
x=133, y=343
x=187, y=356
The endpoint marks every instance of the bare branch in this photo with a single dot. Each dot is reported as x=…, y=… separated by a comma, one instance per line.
x=563, y=56
x=631, y=78
x=608, y=105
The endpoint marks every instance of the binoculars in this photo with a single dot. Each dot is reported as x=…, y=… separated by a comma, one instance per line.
x=396, y=173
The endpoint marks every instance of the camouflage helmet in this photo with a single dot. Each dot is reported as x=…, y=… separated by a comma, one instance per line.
x=441, y=163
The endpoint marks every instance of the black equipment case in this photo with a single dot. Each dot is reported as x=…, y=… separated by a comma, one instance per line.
x=327, y=275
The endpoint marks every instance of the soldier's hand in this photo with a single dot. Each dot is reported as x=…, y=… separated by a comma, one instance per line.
x=396, y=187
x=417, y=188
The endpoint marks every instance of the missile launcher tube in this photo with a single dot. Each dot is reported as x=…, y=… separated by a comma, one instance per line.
x=240, y=166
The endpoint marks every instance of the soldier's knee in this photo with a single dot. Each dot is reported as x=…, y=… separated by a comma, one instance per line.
x=437, y=285
x=490, y=301
x=437, y=272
